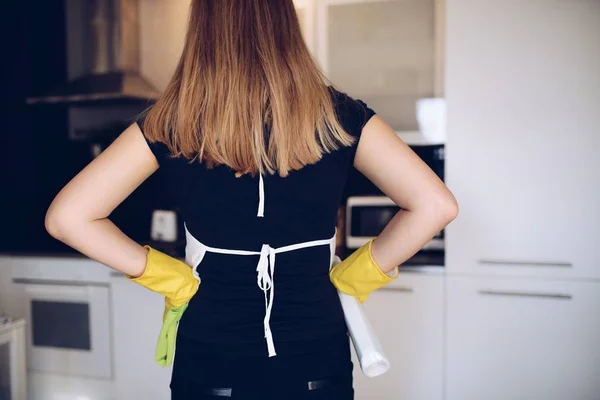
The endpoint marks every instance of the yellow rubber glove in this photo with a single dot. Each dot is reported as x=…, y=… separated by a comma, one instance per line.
x=359, y=275
x=175, y=280
x=170, y=277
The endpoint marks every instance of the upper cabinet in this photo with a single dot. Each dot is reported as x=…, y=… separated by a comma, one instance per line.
x=388, y=53
x=523, y=91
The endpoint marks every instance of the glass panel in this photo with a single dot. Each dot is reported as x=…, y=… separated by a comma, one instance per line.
x=433, y=156
x=384, y=53
x=370, y=221
x=61, y=324
x=4, y=371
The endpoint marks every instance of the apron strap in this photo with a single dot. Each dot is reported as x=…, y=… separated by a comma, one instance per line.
x=261, y=197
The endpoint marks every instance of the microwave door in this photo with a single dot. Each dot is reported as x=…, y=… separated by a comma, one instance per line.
x=69, y=328
x=366, y=218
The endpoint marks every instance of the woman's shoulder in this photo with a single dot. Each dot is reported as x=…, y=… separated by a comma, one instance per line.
x=344, y=100
x=352, y=113
x=159, y=149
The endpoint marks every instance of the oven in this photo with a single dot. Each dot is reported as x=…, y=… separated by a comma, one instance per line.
x=66, y=303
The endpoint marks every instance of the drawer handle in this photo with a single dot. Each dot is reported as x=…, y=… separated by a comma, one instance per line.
x=27, y=281
x=556, y=296
x=512, y=263
x=404, y=289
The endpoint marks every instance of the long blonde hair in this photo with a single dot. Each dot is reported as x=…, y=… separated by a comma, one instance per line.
x=246, y=92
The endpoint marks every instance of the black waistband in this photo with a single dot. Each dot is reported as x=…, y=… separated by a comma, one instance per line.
x=318, y=384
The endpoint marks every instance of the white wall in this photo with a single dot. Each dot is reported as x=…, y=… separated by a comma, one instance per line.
x=162, y=32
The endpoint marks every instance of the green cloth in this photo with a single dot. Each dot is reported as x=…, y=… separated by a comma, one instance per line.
x=165, y=347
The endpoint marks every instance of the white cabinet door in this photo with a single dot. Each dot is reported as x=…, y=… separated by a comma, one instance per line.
x=511, y=339
x=13, y=371
x=523, y=93
x=385, y=52
x=408, y=321
x=137, y=319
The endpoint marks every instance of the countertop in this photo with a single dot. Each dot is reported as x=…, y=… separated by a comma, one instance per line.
x=11, y=325
x=422, y=262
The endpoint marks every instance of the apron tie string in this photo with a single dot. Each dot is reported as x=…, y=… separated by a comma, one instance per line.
x=261, y=197
x=264, y=278
x=265, y=270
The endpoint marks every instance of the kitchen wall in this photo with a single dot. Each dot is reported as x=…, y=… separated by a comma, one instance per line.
x=397, y=55
x=162, y=32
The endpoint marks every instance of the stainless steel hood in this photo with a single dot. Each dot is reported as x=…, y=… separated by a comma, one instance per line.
x=103, y=41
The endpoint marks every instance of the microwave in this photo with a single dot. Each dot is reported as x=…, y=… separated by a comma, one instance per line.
x=432, y=154
x=366, y=216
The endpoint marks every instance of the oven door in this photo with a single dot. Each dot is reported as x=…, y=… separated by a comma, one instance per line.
x=69, y=327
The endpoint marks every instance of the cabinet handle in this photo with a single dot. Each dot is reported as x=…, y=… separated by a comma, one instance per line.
x=27, y=281
x=404, y=289
x=556, y=296
x=513, y=263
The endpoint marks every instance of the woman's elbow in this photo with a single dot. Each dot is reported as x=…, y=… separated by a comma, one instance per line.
x=59, y=223
x=445, y=209
x=53, y=223
x=448, y=208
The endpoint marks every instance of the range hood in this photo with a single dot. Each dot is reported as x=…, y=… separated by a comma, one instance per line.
x=103, y=42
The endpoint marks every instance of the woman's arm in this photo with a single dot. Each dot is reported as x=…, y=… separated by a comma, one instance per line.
x=78, y=216
x=427, y=204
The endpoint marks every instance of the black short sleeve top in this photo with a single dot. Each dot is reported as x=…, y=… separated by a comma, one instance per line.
x=220, y=210
x=307, y=199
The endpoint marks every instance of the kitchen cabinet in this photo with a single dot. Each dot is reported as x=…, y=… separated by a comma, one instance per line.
x=12, y=361
x=137, y=319
x=5, y=370
x=42, y=386
x=47, y=286
x=523, y=90
x=519, y=339
x=408, y=320
x=389, y=53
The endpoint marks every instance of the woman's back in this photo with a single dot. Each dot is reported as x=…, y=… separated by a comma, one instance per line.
x=223, y=210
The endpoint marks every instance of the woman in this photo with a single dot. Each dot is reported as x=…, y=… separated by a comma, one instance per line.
x=257, y=150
